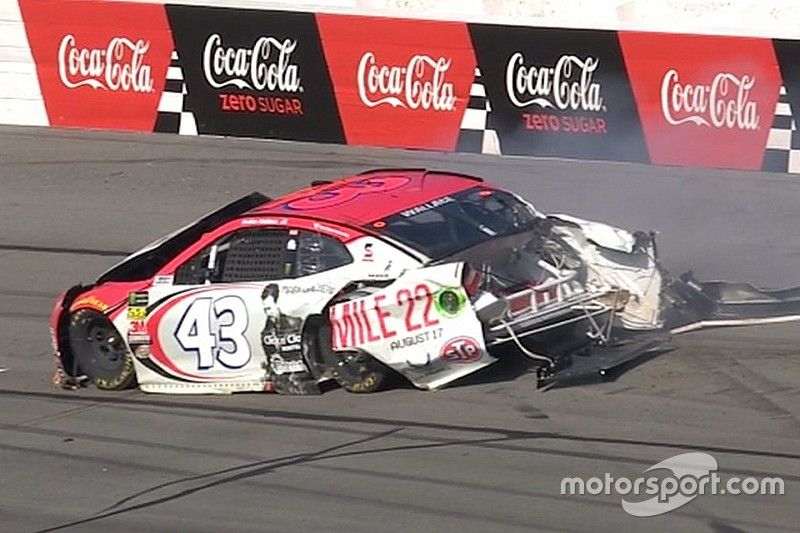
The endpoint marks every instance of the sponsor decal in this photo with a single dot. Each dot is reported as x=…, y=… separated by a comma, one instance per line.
x=282, y=335
x=167, y=279
x=290, y=341
x=420, y=84
x=137, y=333
x=137, y=313
x=103, y=65
x=138, y=299
x=117, y=67
x=264, y=66
x=323, y=288
x=382, y=316
x=369, y=254
x=264, y=221
x=450, y=302
x=399, y=82
x=92, y=302
x=462, y=350
x=255, y=73
x=723, y=103
x=705, y=101
x=278, y=365
x=427, y=206
x=413, y=340
x=558, y=92
x=568, y=84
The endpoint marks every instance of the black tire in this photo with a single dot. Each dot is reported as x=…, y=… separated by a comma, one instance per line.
x=356, y=372
x=100, y=351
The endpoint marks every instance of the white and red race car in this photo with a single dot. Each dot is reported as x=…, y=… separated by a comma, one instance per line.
x=412, y=273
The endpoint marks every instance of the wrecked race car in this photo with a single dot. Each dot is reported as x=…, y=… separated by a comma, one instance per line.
x=428, y=276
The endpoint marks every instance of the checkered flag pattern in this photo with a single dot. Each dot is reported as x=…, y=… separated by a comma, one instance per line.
x=476, y=135
x=783, y=143
x=173, y=114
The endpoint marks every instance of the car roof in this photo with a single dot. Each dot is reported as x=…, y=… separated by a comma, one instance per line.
x=367, y=197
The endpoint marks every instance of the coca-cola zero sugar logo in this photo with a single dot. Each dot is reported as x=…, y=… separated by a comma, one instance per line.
x=103, y=64
x=119, y=66
x=566, y=85
x=255, y=73
x=398, y=82
x=266, y=66
x=557, y=92
x=723, y=103
x=705, y=101
x=420, y=84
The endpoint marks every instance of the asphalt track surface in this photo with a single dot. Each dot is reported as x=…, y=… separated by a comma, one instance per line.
x=486, y=455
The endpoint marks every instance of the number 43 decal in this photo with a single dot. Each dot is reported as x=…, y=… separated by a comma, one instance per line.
x=228, y=345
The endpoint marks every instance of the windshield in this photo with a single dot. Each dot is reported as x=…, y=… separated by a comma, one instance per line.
x=455, y=222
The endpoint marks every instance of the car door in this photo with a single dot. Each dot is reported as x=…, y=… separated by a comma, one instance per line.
x=233, y=314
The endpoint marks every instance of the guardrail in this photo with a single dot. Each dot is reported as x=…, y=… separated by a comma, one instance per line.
x=667, y=99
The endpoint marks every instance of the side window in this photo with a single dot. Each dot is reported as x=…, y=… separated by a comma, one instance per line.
x=263, y=255
x=245, y=255
x=317, y=253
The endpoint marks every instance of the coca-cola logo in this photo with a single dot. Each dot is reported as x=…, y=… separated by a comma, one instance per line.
x=119, y=66
x=566, y=85
x=420, y=84
x=266, y=66
x=724, y=103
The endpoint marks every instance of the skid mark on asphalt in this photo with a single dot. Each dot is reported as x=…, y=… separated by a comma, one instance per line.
x=237, y=473
x=494, y=441
x=754, y=390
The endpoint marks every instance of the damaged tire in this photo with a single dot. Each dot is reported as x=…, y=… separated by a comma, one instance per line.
x=100, y=351
x=354, y=371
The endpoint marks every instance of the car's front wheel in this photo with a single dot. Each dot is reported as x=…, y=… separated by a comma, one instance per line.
x=100, y=351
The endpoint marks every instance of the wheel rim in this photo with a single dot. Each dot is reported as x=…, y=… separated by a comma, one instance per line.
x=352, y=367
x=98, y=348
x=105, y=346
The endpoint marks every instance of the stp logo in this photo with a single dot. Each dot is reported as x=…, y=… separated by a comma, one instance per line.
x=461, y=350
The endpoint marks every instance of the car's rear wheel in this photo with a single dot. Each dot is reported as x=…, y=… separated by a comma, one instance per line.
x=100, y=351
x=354, y=371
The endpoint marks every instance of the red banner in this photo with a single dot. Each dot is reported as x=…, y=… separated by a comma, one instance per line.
x=703, y=101
x=100, y=64
x=402, y=83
